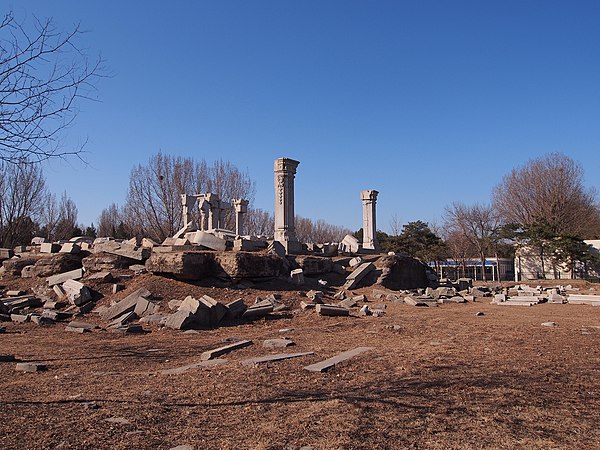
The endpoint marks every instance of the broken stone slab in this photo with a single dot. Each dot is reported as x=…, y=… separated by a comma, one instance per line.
x=79, y=324
x=360, y=298
x=182, y=320
x=127, y=304
x=549, y=324
x=312, y=265
x=255, y=311
x=77, y=330
x=307, y=305
x=6, y=253
x=70, y=247
x=41, y=320
x=19, y=318
x=132, y=328
x=62, y=277
x=349, y=244
x=235, y=309
x=583, y=299
x=77, y=292
x=101, y=277
x=331, y=310
x=347, y=303
x=16, y=303
x=365, y=311
x=123, y=249
x=358, y=274
x=278, y=343
x=103, y=261
x=123, y=319
x=174, y=304
x=117, y=287
x=356, y=261
x=199, y=365
x=183, y=265
x=215, y=353
x=331, y=362
x=297, y=276
x=556, y=298
x=15, y=293
x=3, y=308
x=30, y=367
x=207, y=240
x=315, y=296
x=57, y=316
x=415, y=301
x=48, y=247
x=273, y=358
x=217, y=309
x=341, y=295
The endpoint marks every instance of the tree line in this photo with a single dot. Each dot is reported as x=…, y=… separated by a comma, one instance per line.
x=542, y=209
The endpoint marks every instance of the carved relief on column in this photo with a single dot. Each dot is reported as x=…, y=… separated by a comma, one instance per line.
x=284, y=171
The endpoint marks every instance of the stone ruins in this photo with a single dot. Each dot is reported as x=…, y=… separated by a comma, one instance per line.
x=211, y=231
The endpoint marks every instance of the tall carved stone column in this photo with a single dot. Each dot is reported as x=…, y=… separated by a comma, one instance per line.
x=369, y=201
x=187, y=201
x=285, y=232
x=241, y=208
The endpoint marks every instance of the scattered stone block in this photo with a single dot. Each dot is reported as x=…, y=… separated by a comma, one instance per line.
x=7, y=358
x=41, y=320
x=278, y=343
x=364, y=311
x=19, y=318
x=331, y=362
x=77, y=292
x=182, y=320
x=273, y=358
x=85, y=325
x=77, y=330
x=349, y=244
x=127, y=304
x=331, y=310
x=30, y=367
x=101, y=277
x=356, y=261
x=347, y=303
x=15, y=293
x=3, y=308
x=38, y=240
x=215, y=353
x=62, y=277
x=207, y=240
x=48, y=247
x=235, y=309
x=315, y=296
x=549, y=324
x=70, y=247
x=117, y=288
x=255, y=311
x=360, y=298
x=297, y=276
x=122, y=320
x=341, y=295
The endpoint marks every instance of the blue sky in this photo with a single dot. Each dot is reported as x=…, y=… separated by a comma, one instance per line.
x=429, y=102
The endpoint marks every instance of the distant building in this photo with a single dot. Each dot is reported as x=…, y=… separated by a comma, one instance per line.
x=496, y=269
x=528, y=265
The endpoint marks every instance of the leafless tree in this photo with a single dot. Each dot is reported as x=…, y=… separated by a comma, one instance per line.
x=460, y=250
x=43, y=75
x=67, y=224
x=259, y=222
x=319, y=231
x=22, y=191
x=111, y=222
x=395, y=225
x=549, y=192
x=478, y=224
x=153, y=207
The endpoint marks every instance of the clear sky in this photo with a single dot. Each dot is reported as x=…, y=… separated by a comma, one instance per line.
x=429, y=102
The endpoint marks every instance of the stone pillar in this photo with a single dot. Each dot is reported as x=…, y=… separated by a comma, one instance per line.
x=204, y=209
x=285, y=232
x=241, y=208
x=369, y=201
x=213, y=211
x=187, y=201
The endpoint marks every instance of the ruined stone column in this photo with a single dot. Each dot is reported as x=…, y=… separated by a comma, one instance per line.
x=241, y=208
x=187, y=201
x=369, y=201
x=285, y=232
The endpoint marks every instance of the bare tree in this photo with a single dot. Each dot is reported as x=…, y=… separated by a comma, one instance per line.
x=478, y=224
x=549, y=192
x=395, y=225
x=22, y=191
x=43, y=75
x=111, y=222
x=67, y=224
x=318, y=231
x=153, y=207
x=259, y=222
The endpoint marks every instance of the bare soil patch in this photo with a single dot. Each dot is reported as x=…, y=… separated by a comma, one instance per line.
x=442, y=378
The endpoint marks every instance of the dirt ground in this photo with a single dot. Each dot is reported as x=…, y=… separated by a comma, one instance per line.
x=440, y=377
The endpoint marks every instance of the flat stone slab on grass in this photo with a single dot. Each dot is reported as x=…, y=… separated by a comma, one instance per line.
x=273, y=358
x=215, y=353
x=199, y=365
x=62, y=277
x=329, y=363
